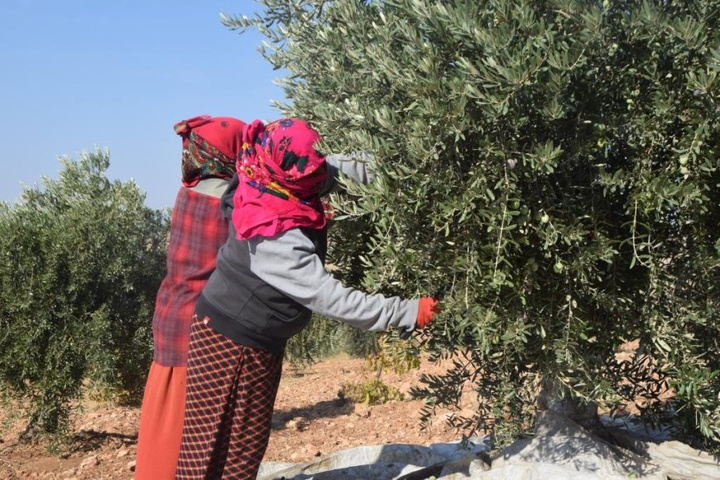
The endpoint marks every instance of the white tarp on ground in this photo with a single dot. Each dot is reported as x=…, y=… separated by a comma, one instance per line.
x=560, y=450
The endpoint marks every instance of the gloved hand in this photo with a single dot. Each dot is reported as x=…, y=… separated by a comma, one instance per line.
x=427, y=310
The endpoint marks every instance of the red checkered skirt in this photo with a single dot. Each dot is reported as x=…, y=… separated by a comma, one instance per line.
x=229, y=403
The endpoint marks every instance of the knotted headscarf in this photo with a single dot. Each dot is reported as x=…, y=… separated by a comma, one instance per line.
x=211, y=147
x=280, y=174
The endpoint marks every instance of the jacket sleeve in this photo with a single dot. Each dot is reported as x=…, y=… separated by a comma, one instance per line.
x=356, y=167
x=289, y=263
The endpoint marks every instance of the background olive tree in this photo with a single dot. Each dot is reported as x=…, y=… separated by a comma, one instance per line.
x=555, y=162
x=81, y=260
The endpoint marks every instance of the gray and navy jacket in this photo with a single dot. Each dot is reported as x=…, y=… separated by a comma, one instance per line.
x=264, y=290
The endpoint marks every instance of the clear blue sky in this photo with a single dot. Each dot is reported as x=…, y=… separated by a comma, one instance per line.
x=118, y=74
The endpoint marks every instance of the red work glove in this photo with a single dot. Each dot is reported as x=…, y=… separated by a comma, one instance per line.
x=427, y=310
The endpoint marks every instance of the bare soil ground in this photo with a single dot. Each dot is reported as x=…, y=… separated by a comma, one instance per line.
x=310, y=420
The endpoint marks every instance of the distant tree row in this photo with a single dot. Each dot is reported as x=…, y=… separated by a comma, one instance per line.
x=81, y=258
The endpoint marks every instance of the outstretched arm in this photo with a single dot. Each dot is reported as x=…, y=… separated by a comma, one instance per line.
x=289, y=263
x=355, y=166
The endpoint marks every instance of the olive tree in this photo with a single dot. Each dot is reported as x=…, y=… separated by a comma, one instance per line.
x=555, y=163
x=82, y=258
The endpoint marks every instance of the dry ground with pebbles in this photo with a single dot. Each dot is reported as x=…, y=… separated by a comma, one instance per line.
x=310, y=420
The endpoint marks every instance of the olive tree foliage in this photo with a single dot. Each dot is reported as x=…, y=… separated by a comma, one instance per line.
x=555, y=162
x=324, y=337
x=82, y=258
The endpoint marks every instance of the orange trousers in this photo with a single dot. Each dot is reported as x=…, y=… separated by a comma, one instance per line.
x=161, y=422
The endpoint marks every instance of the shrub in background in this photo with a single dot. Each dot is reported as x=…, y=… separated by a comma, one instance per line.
x=370, y=392
x=81, y=259
x=323, y=338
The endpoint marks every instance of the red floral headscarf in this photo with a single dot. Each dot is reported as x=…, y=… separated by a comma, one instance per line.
x=211, y=146
x=280, y=174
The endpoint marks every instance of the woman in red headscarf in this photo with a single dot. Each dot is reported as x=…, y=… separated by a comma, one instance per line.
x=211, y=146
x=269, y=278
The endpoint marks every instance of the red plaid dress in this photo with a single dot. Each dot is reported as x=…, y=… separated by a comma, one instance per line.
x=197, y=232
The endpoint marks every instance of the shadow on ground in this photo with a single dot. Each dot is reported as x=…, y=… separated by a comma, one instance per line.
x=90, y=440
x=325, y=409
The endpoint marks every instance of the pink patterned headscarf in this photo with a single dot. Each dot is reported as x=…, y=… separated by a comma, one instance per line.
x=280, y=174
